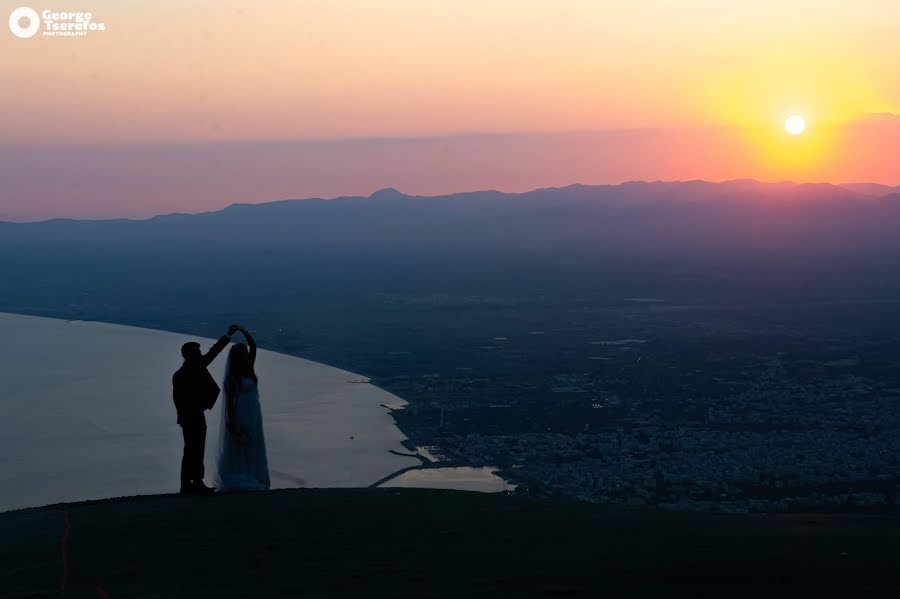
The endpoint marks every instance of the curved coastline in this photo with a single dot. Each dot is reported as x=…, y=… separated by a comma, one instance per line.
x=89, y=416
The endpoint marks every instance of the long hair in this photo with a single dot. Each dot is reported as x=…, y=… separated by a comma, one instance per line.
x=238, y=368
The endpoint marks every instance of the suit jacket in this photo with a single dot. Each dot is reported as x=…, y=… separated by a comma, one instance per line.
x=194, y=389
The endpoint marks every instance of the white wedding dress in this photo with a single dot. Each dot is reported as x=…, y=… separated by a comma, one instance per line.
x=242, y=466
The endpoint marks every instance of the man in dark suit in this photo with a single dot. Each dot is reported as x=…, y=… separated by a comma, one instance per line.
x=194, y=391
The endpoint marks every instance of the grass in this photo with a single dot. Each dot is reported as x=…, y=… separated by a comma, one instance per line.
x=428, y=543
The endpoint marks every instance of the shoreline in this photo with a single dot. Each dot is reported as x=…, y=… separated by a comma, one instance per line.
x=99, y=422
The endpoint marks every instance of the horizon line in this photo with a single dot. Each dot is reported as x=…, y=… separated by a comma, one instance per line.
x=438, y=195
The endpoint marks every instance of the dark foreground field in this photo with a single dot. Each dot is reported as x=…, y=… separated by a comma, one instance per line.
x=421, y=543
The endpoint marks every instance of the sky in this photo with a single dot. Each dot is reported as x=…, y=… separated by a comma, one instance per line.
x=194, y=105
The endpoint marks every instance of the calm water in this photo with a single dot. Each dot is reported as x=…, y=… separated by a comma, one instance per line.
x=462, y=478
x=87, y=413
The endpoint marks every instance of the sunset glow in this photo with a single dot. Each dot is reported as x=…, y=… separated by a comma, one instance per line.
x=724, y=76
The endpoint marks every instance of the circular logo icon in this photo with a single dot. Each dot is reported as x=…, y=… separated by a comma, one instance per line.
x=21, y=14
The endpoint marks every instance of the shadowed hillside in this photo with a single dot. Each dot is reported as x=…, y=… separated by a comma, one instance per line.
x=419, y=543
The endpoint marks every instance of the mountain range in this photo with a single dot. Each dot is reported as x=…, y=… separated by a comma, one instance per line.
x=731, y=216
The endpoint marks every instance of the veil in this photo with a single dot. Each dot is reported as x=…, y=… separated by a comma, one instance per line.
x=228, y=393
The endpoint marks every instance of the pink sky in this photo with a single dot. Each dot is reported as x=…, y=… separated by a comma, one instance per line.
x=194, y=106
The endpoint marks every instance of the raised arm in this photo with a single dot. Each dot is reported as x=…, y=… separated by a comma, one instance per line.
x=221, y=344
x=251, y=343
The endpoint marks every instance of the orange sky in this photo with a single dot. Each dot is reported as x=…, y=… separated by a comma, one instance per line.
x=210, y=72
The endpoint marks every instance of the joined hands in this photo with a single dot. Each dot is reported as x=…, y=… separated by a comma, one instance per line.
x=235, y=328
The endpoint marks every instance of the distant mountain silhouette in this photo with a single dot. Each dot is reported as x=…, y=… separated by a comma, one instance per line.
x=872, y=189
x=636, y=216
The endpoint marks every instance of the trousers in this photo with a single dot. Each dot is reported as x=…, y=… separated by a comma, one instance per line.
x=194, y=448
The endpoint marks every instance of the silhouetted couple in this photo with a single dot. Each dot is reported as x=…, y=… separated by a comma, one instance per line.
x=241, y=462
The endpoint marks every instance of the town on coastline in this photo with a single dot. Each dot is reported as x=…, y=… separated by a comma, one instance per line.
x=830, y=444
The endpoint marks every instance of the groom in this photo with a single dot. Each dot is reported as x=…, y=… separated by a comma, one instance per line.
x=194, y=391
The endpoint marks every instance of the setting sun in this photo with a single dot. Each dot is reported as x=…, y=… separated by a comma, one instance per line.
x=795, y=124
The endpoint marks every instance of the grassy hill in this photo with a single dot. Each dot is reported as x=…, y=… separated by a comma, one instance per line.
x=427, y=543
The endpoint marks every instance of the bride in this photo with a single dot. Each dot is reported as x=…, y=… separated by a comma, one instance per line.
x=241, y=459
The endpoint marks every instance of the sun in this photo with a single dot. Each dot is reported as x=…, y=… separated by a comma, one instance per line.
x=795, y=124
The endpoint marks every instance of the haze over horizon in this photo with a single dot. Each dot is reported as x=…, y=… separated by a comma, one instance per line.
x=195, y=108
x=860, y=189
